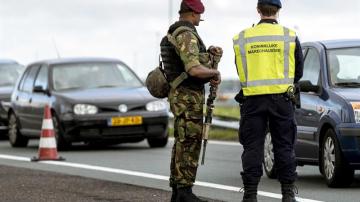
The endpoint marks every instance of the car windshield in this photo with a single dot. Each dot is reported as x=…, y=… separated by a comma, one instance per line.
x=93, y=75
x=344, y=67
x=9, y=73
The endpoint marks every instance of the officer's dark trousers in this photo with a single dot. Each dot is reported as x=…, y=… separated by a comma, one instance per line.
x=257, y=113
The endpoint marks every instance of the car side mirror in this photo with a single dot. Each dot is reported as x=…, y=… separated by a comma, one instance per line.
x=307, y=86
x=40, y=89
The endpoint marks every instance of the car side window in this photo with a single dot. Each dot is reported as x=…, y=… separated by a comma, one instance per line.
x=42, y=77
x=29, y=79
x=312, y=66
x=304, y=50
x=21, y=84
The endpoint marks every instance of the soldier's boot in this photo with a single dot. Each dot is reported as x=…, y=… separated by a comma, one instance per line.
x=174, y=194
x=185, y=195
x=288, y=192
x=250, y=193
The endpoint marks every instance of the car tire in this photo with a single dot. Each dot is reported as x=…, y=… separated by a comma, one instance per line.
x=4, y=135
x=158, y=142
x=16, y=139
x=336, y=170
x=61, y=143
x=269, y=161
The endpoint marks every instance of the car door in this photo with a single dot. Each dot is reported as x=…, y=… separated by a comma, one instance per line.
x=308, y=116
x=40, y=98
x=23, y=99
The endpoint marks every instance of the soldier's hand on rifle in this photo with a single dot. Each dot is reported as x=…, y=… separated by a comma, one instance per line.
x=215, y=50
x=216, y=80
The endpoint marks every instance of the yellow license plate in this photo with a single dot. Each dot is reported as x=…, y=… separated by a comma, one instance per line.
x=126, y=121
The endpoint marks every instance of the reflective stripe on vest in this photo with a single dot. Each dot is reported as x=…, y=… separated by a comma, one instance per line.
x=241, y=41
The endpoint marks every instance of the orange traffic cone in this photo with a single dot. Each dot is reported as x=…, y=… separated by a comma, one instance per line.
x=47, y=145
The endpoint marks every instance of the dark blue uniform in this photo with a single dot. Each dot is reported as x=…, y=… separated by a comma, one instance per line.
x=277, y=112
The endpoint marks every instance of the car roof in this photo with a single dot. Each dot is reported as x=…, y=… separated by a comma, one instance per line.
x=7, y=61
x=59, y=61
x=339, y=43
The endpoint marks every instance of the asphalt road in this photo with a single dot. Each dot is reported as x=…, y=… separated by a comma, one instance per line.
x=19, y=184
x=139, y=165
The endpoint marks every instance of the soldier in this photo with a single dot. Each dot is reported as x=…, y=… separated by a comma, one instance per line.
x=188, y=64
x=269, y=61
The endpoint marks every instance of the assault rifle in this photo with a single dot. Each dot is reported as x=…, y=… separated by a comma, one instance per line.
x=216, y=55
x=208, y=118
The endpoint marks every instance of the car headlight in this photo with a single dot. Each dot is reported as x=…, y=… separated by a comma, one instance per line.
x=158, y=105
x=83, y=109
x=356, y=108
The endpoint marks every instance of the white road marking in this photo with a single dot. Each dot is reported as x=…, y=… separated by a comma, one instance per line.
x=236, y=144
x=147, y=175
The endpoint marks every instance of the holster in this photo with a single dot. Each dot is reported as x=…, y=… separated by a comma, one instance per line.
x=240, y=98
x=297, y=101
x=293, y=94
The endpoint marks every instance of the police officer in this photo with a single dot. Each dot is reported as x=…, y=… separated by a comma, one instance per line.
x=269, y=61
x=182, y=50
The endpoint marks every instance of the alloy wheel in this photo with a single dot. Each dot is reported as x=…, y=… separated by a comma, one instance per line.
x=329, y=158
x=12, y=129
x=268, y=153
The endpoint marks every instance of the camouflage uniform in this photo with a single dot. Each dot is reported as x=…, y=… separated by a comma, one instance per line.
x=187, y=107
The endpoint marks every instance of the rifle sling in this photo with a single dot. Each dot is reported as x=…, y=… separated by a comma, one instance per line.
x=176, y=82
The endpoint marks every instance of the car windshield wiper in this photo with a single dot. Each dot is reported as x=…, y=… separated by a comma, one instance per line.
x=106, y=86
x=348, y=84
x=6, y=84
x=71, y=88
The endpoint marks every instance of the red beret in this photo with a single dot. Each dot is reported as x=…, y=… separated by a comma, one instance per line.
x=195, y=5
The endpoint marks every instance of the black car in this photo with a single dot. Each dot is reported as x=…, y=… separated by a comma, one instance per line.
x=10, y=70
x=328, y=131
x=93, y=100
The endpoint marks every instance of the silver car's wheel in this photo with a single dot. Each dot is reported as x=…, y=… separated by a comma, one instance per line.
x=16, y=139
x=62, y=144
x=269, y=157
x=336, y=169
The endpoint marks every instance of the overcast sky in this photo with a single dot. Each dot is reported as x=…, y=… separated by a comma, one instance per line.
x=131, y=30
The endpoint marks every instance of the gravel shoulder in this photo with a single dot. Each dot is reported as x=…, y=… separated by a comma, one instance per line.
x=25, y=185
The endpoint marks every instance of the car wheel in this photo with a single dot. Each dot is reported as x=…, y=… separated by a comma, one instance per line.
x=336, y=170
x=4, y=135
x=269, y=157
x=61, y=143
x=158, y=142
x=16, y=139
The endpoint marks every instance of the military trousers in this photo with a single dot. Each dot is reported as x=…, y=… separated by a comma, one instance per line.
x=187, y=107
x=258, y=115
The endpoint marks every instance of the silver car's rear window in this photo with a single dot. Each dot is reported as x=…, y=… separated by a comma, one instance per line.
x=9, y=73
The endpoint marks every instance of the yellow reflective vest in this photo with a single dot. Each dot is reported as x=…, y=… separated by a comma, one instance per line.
x=265, y=59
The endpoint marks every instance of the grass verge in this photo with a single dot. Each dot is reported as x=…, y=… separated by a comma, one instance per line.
x=227, y=111
x=217, y=134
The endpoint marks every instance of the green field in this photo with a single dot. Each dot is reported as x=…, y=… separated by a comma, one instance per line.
x=227, y=111
x=217, y=134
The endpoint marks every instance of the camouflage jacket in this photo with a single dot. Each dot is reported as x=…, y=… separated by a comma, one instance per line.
x=183, y=100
